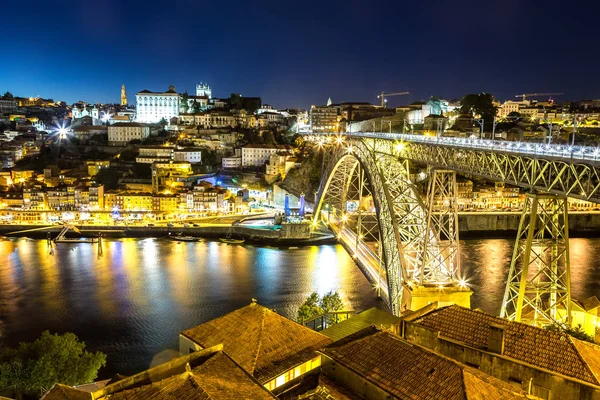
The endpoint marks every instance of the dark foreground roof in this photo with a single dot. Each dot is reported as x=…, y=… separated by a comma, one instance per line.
x=261, y=341
x=208, y=374
x=407, y=371
x=542, y=348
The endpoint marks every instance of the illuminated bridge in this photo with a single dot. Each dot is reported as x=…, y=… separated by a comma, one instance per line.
x=408, y=245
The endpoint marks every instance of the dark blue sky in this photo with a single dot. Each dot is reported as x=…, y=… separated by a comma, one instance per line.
x=300, y=53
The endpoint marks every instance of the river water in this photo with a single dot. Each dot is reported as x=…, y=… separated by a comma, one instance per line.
x=133, y=300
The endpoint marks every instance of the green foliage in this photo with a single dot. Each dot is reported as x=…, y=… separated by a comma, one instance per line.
x=315, y=306
x=209, y=157
x=480, y=104
x=196, y=107
x=109, y=177
x=269, y=138
x=8, y=96
x=577, y=332
x=184, y=102
x=128, y=154
x=34, y=367
x=310, y=309
x=332, y=302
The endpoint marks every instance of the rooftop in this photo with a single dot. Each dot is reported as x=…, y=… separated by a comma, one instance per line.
x=408, y=371
x=553, y=351
x=208, y=374
x=261, y=341
x=371, y=317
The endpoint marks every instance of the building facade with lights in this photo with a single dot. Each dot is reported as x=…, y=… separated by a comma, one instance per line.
x=153, y=107
x=256, y=155
x=122, y=133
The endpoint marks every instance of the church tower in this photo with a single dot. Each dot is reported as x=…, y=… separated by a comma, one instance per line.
x=123, y=96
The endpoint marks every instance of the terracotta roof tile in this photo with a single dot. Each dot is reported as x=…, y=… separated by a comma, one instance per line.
x=63, y=392
x=261, y=341
x=408, y=371
x=219, y=377
x=542, y=348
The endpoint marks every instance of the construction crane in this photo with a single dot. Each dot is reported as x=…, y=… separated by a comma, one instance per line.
x=525, y=95
x=383, y=95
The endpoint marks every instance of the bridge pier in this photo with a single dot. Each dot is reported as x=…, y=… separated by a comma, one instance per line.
x=538, y=289
x=419, y=296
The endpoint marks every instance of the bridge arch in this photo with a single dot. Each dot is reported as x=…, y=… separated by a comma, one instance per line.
x=399, y=209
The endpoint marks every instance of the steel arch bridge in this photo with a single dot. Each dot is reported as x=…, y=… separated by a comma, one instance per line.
x=406, y=245
x=414, y=250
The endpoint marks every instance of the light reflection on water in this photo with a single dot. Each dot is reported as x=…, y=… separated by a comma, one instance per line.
x=132, y=301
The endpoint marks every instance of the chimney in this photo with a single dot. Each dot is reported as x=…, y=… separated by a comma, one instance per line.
x=496, y=339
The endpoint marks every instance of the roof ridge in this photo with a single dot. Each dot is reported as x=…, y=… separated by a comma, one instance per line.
x=587, y=366
x=260, y=338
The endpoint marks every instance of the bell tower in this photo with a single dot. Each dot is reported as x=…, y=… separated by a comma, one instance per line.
x=123, y=96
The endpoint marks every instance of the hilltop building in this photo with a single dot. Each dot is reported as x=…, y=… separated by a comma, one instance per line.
x=152, y=107
x=123, y=96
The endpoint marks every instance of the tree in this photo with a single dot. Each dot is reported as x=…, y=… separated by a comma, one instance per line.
x=578, y=332
x=310, y=309
x=315, y=306
x=481, y=104
x=8, y=96
x=514, y=115
x=196, y=107
x=35, y=366
x=332, y=302
x=184, y=102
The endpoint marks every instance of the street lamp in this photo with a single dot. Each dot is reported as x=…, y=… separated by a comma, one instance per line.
x=389, y=122
x=105, y=117
x=480, y=122
x=494, y=123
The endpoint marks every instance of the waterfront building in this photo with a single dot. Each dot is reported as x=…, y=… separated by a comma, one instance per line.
x=152, y=107
x=134, y=201
x=191, y=155
x=165, y=202
x=61, y=197
x=203, y=197
x=11, y=200
x=151, y=154
x=206, y=374
x=120, y=134
x=256, y=155
x=34, y=196
x=548, y=364
x=405, y=371
x=273, y=349
x=88, y=198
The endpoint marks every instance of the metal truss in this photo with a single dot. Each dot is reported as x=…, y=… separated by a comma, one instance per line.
x=572, y=178
x=442, y=265
x=538, y=288
x=401, y=216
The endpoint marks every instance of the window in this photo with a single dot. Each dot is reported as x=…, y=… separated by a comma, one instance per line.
x=540, y=392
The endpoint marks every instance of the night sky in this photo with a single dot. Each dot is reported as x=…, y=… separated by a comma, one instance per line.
x=294, y=54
